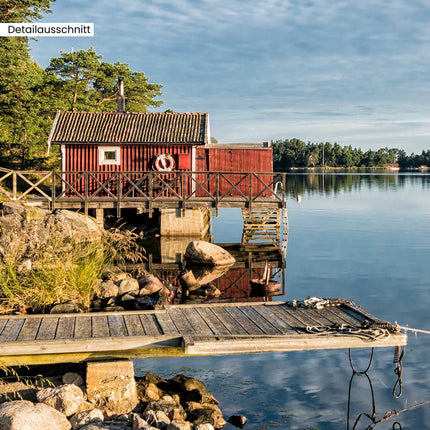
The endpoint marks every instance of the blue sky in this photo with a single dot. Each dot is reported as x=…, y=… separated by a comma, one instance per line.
x=346, y=71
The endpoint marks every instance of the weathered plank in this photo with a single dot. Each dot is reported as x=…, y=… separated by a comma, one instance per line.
x=260, y=321
x=182, y=323
x=248, y=325
x=217, y=327
x=29, y=329
x=268, y=313
x=166, y=324
x=11, y=330
x=83, y=327
x=228, y=321
x=2, y=324
x=134, y=326
x=116, y=325
x=150, y=325
x=65, y=328
x=47, y=329
x=199, y=324
x=100, y=326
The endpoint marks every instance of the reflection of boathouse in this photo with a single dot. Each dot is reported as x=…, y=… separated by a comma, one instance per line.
x=234, y=284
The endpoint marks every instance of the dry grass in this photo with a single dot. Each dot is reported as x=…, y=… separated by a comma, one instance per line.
x=61, y=270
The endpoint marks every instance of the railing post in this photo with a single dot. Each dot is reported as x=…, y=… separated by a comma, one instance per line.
x=284, y=189
x=52, y=191
x=183, y=192
x=216, y=192
x=14, y=185
x=86, y=192
x=250, y=191
x=119, y=197
x=150, y=192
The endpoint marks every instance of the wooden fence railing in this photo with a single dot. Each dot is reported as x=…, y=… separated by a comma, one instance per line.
x=150, y=189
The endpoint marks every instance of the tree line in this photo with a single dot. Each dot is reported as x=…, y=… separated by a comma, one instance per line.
x=290, y=153
x=30, y=96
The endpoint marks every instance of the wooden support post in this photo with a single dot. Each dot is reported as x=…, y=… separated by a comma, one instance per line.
x=14, y=185
x=100, y=216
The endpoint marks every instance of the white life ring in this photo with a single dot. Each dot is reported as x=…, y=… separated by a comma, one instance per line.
x=164, y=163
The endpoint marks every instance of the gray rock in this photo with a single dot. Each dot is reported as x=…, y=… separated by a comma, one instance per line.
x=107, y=289
x=66, y=399
x=73, y=378
x=179, y=425
x=205, y=253
x=138, y=422
x=81, y=419
x=114, y=273
x=238, y=421
x=151, y=284
x=157, y=418
x=128, y=285
x=113, y=309
x=24, y=415
x=206, y=426
x=169, y=406
x=65, y=308
x=94, y=427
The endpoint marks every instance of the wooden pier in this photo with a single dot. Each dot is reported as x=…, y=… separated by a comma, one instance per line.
x=145, y=190
x=186, y=330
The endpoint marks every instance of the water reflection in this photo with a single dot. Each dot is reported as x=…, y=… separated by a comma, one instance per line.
x=334, y=183
x=166, y=260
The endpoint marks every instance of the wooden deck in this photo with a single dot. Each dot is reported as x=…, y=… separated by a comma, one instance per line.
x=147, y=190
x=184, y=330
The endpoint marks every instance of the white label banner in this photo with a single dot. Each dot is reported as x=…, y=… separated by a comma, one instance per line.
x=48, y=29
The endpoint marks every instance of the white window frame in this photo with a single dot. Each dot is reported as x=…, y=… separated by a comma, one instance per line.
x=103, y=161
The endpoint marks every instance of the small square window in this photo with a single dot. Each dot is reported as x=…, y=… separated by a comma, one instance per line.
x=109, y=155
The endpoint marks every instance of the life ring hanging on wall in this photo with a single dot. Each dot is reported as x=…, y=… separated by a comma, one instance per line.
x=164, y=163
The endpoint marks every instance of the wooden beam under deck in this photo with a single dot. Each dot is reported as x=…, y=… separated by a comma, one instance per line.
x=183, y=330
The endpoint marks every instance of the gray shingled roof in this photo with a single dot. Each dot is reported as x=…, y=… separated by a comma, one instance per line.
x=130, y=127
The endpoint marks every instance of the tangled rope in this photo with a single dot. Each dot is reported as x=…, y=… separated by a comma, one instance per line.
x=365, y=333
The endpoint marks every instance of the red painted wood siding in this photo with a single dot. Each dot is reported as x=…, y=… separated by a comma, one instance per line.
x=237, y=160
x=134, y=158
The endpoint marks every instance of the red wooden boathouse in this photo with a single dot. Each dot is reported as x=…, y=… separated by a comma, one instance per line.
x=137, y=142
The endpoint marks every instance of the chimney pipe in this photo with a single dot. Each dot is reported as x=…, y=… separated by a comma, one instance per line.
x=120, y=99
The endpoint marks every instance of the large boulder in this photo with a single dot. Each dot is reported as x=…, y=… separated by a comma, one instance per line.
x=25, y=415
x=205, y=253
x=66, y=399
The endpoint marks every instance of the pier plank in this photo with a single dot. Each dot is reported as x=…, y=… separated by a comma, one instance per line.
x=100, y=326
x=150, y=325
x=166, y=324
x=83, y=327
x=29, y=329
x=268, y=313
x=213, y=321
x=11, y=330
x=228, y=321
x=2, y=324
x=134, y=325
x=65, y=328
x=116, y=325
x=47, y=329
x=181, y=322
x=257, y=318
x=196, y=320
x=248, y=325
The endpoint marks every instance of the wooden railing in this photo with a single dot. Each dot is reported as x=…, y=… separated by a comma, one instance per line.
x=152, y=189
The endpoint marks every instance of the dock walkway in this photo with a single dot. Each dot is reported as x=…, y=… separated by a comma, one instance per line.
x=183, y=330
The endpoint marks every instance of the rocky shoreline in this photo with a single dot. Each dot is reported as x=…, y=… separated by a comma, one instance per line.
x=115, y=403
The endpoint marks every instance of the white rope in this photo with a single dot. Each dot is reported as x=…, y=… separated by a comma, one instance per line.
x=415, y=330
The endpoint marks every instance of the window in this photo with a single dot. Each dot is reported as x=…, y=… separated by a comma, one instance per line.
x=109, y=155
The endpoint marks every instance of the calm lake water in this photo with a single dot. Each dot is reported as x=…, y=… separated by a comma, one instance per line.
x=365, y=237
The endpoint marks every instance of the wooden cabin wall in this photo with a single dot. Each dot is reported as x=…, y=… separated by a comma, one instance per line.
x=134, y=158
x=236, y=160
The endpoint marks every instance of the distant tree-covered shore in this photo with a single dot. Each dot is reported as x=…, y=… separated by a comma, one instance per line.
x=294, y=153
